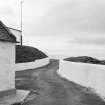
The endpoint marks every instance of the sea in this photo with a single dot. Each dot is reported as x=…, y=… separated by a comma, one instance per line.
x=92, y=51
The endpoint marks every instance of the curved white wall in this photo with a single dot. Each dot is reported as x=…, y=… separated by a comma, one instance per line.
x=31, y=65
x=89, y=75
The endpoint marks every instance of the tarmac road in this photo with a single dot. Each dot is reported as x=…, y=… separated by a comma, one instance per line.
x=52, y=89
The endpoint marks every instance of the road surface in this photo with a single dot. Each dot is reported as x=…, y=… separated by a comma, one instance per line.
x=52, y=89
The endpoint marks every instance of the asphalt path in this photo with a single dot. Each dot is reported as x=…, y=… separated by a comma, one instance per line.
x=51, y=89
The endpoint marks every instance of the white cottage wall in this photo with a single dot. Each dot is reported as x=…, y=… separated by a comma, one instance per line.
x=7, y=59
x=17, y=34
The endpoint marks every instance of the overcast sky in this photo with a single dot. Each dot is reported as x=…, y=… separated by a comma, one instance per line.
x=56, y=24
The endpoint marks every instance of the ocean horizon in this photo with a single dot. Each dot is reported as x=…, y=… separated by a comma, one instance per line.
x=95, y=53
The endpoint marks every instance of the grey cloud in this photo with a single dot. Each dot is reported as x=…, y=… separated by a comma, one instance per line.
x=7, y=10
x=73, y=16
x=80, y=20
x=95, y=41
x=81, y=17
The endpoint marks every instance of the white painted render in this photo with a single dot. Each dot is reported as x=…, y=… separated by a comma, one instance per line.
x=31, y=65
x=89, y=75
x=17, y=34
x=7, y=59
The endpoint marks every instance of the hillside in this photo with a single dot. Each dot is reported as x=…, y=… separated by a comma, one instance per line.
x=28, y=54
x=85, y=59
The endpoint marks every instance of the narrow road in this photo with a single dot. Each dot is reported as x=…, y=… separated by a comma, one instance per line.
x=52, y=89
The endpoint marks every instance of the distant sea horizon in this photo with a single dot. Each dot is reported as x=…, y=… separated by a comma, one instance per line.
x=60, y=57
x=95, y=54
x=73, y=50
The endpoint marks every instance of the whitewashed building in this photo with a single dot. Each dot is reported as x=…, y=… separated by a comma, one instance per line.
x=7, y=58
x=8, y=93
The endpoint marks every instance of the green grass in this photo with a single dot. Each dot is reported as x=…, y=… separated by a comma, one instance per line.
x=28, y=54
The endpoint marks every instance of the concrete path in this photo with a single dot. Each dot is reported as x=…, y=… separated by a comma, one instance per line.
x=52, y=89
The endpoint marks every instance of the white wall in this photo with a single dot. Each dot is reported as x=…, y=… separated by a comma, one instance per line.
x=89, y=75
x=31, y=65
x=17, y=34
x=7, y=58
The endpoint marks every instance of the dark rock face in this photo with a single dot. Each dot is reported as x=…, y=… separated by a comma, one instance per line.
x=28, y=54
x=85, y=59
x=17, y=104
